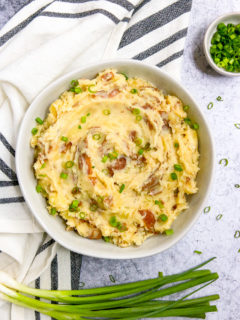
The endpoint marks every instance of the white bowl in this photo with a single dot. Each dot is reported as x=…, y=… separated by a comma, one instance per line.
x=232, y=17
x=55, y=226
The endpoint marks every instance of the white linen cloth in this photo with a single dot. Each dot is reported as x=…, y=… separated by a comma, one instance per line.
x=43, y=41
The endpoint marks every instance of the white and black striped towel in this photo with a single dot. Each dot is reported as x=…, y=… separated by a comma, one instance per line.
x=43, y=41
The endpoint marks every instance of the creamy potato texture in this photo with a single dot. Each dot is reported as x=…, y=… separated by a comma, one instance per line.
x=115, y=158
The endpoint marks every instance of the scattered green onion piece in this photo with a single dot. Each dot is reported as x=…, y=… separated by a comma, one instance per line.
x=178, y=167
x=74, y=205
x=219, y=98
x=237, y=234
x=53, y=211
x=96, y=136
x=106, y=239
x=104, y=158
x=160, y=274
x=75, y=190
x=238, y=250
x=42, y=175
x=74, y=83
x=43, y=165
x=173, y=176
x=93, y=167
x=237, y=185
x=88, y=114
x=79, y=127
x=198, y=252
x=122, y=188
x=210, y=105
x=90, y=90
x=124, y=74
x=69, y=164
x=136, y=111
x=237, y=125
x=207, y=209
x=83, y=119
x=188, y=121
x=106, y=112
x=224, y=161
x=39, y=188
x=138, y=141
x=65, y=139
x=113, y=155
x=159, y=203
x=169, y=232
x=113, y=221
x=112, y=278
x=82, y=215
x=105, y=171
x=134, y=91
x=218, y=217
x=163, y=217
x=140, y=151
x=138, y=117
x=186, y=108
x=78, y=90
x=93, y=207
x=195, y=126
x=63, y=175
x=39, y=120
x=176, y=145
x=34, y=131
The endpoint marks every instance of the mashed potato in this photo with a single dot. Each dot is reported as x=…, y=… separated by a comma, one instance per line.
x=115, y=158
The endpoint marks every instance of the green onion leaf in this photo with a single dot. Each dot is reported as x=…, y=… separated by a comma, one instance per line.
x=53, y=211
x=43, y=165
x=219, y=98
x=78, y=90
x=34, y=131
x=74, y=83
x=82, y=215
x=79, y=127
x=159, y=203
x=122, y=188
x=140, y=151
x=88, y=114
x=224, y=161
x=106, y=112
x=134, y=91
x=186, y=108
x=39, y=188
x=65, y=139
x=207, y=209
x=113, y=221
x=138, y=141
x=74, y=205
x=210, y=105
x=163, y=217
x=188, y=121
x=169, y=232
x=39, y=120
x=104, y=158
x=124, y=74
x=237, y=125
x=69, y=164
x=136, y=111
x=138, y=117
x=96, y=136
x=83, y=119
x=218, y=217
x=176, y=145
x=64, y=175
x=237, y=234
x=112, y=278
x=237, y=185
x=90, y=90
x=198, y=252
x=75, y=190
x=93, y=207
x=173, y=176
x=195, y=126
x=178, y=167
x=106, y=239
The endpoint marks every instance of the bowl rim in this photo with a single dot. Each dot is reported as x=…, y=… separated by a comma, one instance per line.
x=209, y=34
x=85, y=251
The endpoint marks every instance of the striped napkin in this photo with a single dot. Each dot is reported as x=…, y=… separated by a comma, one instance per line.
x=43, y=41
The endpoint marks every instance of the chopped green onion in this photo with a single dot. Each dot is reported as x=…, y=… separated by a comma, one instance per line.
x=169, y=232
x=122, y=188
x=79, y=127
x=113, y=221
x=83, y=119
x=237, y=234
x=219, y=98
x=42, y=175
x=218, y=217
x=173, y=176
x=75, y=190
x=237, y=125
x=34, y=131
x=124, y=74
x=176, y=145
x=93, y=167
x=160, y=274
x=195, y=126
x=74, y=205
x=69, y=164
x=224, y=161
x=178, y=167
x=113, y=155
x=93, y=207
x=140, y=151
x=74, y=83
x=210, y=105
x=78, y=90
x=88, y=114
x=96, y=136
x=136, y=111
x=188, y=121
x=186, y=108
x=39, y=188
x=106, y=112
x=159, y=203
x=90, y=90
x=112, y=278
x=82, y=215
x=237, y=185
x=238, y=250
x=105, y=171
x=104, y=158
x=207, y=209
x=134, y=91
x=39, y=120
x=65, y=139
x=64, y=175
x=53, y=211
x=106, y=239
x=138, y=117
x=198, y=252
x=138, y=141
x=163, y=217
x=43, y=165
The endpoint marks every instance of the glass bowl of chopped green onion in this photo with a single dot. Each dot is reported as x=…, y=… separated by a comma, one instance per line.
x=222, y=44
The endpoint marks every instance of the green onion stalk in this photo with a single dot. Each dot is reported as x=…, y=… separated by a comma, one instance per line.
x=130, y=301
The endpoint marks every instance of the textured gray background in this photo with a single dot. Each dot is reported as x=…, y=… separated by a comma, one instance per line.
x=212, y=237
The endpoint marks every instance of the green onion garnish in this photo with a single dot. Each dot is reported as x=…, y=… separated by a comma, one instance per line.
x=83, y=119
x=169, y=232
x=65, y=139
x=134, y=91
x=90, y=90
x=74, y=205
x=113, y=221
x=113, y=155
x=173, y=176
x=112, y=278
x=188, y=121
x=53, y=211
x=186, y=108
x=136, y=111
x=210, y=105
x=34, y=131
x=96, y=136
x=237, y=125
x=39, y=120
x=106, y=239
x=39, y=188
x=138, y=117
x=195, y=126
x=159, y=203
x=237, y=234
x=78, y=90
x=93, y=207
x=63, y=175
x=176, y=145
x=75, y=190
x=237, y=185
x=219, y=98
x=79, y=127
x=106, y=112
x=207, y=209
x=198, y=252
x=104, y=158
x=224, y=161
x=178, y=167
x=82, y=215
x=138, y=141
x=124, y=74
x=88, y=114
x=218, y=217
x=43, y=165
x=140, y=151
x=74, y=83
x=69, y=164
x=160, y=274
x=163, y=217
x=42, y=175
x=122, y=188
